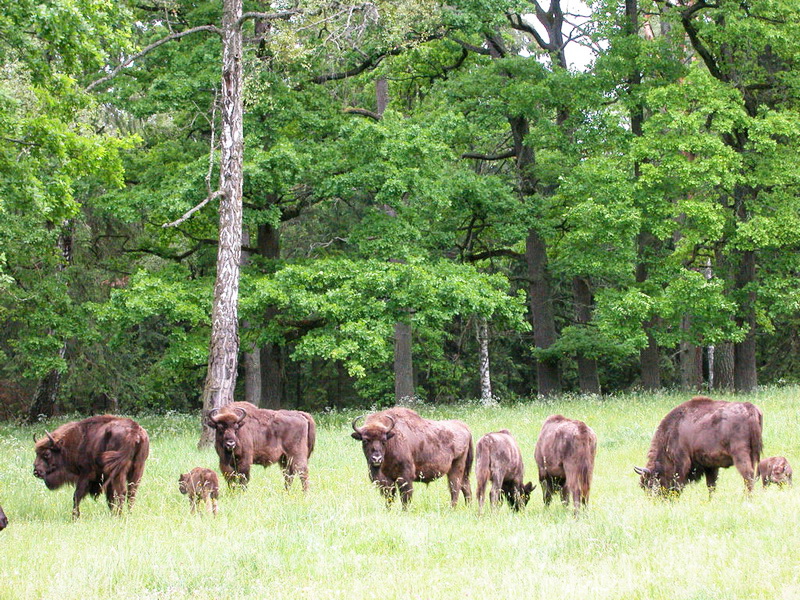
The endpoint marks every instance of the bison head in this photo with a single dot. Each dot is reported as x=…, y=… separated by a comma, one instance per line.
x=49, y=462
x=227, y=427
x=184, y=483
x=656, y=480
x=373, y=440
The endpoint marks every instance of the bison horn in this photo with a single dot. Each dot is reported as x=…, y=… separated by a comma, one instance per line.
x=34, y=438
x=642, y=470
x=243, y=414
x=50, y=437
x=356, y=421
x=393, y=423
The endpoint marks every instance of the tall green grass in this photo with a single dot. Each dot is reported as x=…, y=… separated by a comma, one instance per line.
x=340, y=542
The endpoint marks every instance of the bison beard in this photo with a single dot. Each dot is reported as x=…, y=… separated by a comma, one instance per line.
x=699, y=437
x=499, y=460
x=247, y=435
x=98, y=454
x=401, y=447
x=565, y=454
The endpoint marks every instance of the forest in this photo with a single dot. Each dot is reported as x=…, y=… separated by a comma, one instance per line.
x=326, y=205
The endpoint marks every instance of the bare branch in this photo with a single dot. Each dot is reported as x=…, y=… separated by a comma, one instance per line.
x=364, y=113
x=191, y=211
x=286, y=14
x=470, y=47
x=147, y=49
x=502, y=156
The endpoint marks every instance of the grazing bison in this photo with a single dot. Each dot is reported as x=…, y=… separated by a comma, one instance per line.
x=247, y=435
x=98, y=454
x=775, y=469
x=3, y=519
x=698, y=438
x=401, y=447
x=565, y=454
x=498, y=458
x=200, y=484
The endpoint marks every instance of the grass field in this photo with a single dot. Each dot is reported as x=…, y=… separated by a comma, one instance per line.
x=340, y=542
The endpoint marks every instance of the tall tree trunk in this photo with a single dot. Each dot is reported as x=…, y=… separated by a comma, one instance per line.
x=251, y=359
x=403, y=363
x=691, y=362
x=269, y=247
x=46, y=395
x=649, y=356
x=224, y=345
x=548, y=373
x=724, y=366
x=588, y=379
x=482, y=336
x=745, y=379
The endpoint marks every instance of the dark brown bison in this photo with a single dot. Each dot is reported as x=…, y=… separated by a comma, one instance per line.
x=698, y=438
x=3, y=519
x=565, y=454
x=775, y=469
x=498, y=458
x=200, y=485
x=401, y=447
x=98, y=454
x=248, y=435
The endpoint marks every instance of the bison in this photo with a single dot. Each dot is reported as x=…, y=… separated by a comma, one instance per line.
x=200, y=484
x=247, y=435
x=698, y=438
x=99, y=454
x=499, y=459
x=775, y=469
x=565, y=454
x=401, y=447
x=3, y=519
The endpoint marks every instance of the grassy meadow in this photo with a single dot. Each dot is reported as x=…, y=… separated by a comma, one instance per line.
x=340, y=542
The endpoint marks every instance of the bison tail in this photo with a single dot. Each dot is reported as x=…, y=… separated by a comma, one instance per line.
x=470, y=457
x=756, y=443
x=312, y=433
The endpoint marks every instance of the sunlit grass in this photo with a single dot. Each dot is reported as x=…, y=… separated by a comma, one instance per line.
x=340, y=542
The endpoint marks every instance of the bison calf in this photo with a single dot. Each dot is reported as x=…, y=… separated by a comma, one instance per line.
x=565, y=454
x=499, y=459
x=775, y=469
x=200, y=484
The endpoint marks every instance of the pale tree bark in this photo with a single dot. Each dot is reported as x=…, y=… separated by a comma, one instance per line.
x=224, y=346
x=45, y=397
x=482, y=337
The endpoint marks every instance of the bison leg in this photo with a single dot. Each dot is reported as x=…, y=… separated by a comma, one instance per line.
x=455, y=488
x=81, y=489
x=192, y=503
x=547, y=489
x=466, y=489
x=406, y=491
x=115, y=493
x=745, y=468
x=237, y=478
x=711, y=479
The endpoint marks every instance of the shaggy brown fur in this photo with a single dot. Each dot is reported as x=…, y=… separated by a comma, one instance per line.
x=200, y=484
x=775, y=469
x=401, y=447
x=498, y=458
x=98, y=454
x=565, y=454
x=248, y=435
x=699, y=437
x=3, y=519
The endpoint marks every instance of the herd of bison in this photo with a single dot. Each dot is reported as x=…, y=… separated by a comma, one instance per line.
x=107, y=454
